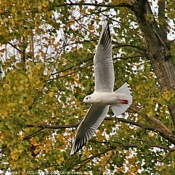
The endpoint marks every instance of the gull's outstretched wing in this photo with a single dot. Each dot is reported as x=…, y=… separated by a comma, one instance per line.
x=89, y=124
x=103, y=63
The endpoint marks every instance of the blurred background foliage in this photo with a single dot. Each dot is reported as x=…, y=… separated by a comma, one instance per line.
x=46, y=62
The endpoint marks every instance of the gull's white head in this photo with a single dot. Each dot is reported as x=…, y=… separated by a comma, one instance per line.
x=87, y=99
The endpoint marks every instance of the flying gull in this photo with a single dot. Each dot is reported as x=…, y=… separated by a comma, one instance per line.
x=103, y=97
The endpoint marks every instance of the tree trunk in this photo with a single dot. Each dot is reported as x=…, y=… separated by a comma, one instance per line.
x=157, y=46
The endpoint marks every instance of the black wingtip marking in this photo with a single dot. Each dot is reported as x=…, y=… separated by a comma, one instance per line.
x=106, y=33
x=105, y=39
x=79, y=143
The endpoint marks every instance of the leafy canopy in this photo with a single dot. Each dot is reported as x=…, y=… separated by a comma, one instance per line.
x=47, y=50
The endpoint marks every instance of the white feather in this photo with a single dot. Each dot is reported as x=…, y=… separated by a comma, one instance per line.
x=123, y=93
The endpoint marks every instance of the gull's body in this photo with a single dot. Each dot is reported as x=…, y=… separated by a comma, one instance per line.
x=103, y=96
x=106, y=98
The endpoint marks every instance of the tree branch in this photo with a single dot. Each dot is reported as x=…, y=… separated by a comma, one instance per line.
x=161, y=17
x=33, y=134
x=46, y=126
x=167, y=154
x=15, y=47
x=155, y=125
x=42, y=127
x=127, y=57
x=97, y=5
x=92, y=157
x=134, y=145
x=72, y=67
x=85, y=161
x=81, y=68
x=134, y=48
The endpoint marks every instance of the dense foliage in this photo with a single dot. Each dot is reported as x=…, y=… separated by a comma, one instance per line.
x=46, y=61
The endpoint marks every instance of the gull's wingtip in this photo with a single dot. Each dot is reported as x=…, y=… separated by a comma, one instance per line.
x=105, y=23
x=72, y=152
x=78, y=144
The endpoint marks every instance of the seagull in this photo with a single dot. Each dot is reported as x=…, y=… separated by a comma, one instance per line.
x=103, y=97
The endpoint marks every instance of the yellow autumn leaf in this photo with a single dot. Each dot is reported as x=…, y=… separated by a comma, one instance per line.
x=34, y=141
x=30, y=76
x=60, y=160
x=132, y=160
x=43, y=54
x=133, y=170
x=117, y=1
x=5, y=114
x=51, y=94
x=49, y=72
x=91, y=27
x=3, y=50
x=37, y=56
x=14, y=154
x=38, y=67
x=69, y=23
x=37, y=150
x=40, y=7
x=150, y=113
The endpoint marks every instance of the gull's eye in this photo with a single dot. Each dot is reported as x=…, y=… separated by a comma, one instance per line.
x=87, y=98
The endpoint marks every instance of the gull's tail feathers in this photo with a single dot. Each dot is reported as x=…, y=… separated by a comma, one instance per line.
x=124, y=93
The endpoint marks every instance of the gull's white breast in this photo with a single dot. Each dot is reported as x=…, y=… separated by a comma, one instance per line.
x=105, y=98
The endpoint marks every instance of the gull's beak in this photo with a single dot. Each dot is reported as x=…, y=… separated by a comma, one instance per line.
x=82, y=102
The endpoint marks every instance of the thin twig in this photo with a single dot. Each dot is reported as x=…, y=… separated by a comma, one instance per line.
x=92, y=157
x=33, y=134
x=167, y=154
x=97, y=5
x=15, y=47
x=55, y=126
x=72, y=67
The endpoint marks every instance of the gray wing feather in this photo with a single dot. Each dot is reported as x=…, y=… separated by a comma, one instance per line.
x=103, y=63
x=89, y=124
